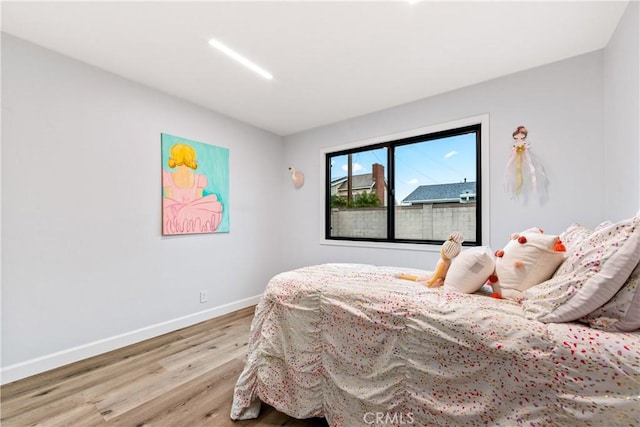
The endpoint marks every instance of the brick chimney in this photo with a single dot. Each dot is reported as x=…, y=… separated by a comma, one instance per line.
x=378, y=180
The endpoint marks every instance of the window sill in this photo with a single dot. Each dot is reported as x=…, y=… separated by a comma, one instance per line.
x=382, y=245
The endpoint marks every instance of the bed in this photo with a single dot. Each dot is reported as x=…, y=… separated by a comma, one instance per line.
x=359, y=346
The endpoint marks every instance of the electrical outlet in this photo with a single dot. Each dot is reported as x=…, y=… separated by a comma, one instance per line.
x=203, y=296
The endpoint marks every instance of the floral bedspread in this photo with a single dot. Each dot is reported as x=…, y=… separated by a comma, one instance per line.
x=358, y=346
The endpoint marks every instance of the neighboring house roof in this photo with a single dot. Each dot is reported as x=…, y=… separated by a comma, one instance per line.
x=440, y=193
x=337, y=181
x=364, y=180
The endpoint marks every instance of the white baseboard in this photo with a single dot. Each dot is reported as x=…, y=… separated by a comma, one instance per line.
x=55, y=360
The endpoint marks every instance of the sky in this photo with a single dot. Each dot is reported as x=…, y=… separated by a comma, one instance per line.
x=440, y=161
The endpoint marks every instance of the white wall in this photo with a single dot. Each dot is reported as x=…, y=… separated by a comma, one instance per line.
x=561, y=106
x=84, y=265
x=622, y=116
x=583, y=120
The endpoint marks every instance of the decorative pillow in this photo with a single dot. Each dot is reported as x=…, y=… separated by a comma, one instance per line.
x=622, y=312
x=470, y=270
x=601, y=265
x=603, y=225
x=573, y=236
x=527, y=260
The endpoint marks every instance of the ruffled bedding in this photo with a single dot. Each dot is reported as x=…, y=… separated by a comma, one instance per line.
x=358, y=346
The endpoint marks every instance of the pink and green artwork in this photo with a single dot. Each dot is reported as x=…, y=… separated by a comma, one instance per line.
x=195, y=187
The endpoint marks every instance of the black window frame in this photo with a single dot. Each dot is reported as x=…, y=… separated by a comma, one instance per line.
x=390, y=177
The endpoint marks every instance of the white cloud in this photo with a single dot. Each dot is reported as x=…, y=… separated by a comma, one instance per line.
x=355, y=167
x=450, y=154
x=413, y=181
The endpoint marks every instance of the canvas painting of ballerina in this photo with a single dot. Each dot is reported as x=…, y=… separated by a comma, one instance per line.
x=195, y=187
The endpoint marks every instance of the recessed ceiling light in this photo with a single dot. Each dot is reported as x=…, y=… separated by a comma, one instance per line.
x=241, y=59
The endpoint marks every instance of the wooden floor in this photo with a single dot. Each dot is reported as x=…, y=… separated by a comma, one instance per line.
x=184, y=378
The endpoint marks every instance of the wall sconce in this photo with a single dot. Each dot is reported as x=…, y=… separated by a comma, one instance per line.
x=297, y=177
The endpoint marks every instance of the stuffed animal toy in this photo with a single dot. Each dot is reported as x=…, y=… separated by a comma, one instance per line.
x=450, y=249
x=530, y=258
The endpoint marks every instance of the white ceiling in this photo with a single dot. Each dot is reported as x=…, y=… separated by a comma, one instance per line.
x=331, y=60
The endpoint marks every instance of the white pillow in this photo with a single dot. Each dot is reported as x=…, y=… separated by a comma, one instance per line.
x=527, y=260
x=470, y=270
x=600, y=266
x=622, y=312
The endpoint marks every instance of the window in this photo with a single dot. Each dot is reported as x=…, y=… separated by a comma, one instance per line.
x=415, y=189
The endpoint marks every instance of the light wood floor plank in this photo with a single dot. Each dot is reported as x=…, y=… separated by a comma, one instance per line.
x=180, y=369
x=200, y=399
x=58, y=376
x=184, y=378
x=85, y=415
x=136, y=360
